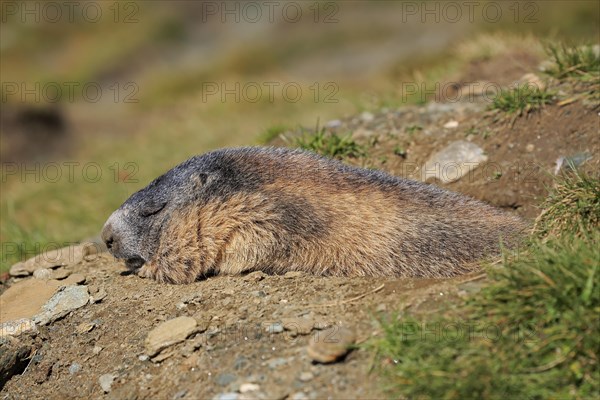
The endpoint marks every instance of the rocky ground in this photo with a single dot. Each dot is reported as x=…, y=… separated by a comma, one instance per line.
x=252, y=336
x=76, y=325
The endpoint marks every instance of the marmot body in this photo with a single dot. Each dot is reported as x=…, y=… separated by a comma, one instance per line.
x=279, y=210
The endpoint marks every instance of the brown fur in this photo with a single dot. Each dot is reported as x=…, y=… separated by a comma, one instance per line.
x=309, y=216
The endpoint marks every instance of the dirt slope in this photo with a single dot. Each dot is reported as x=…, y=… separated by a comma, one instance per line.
x=235, y=346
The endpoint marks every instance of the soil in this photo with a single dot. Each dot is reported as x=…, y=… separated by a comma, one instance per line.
x=522, y=155
x=237, y=343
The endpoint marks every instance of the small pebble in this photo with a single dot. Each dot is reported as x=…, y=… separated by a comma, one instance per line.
x=225, y=379
x=299, y=396
x=249, y=387
x=276, y=362
x=333, y=123
x=275, y=328
x=78, y=278
x=367, y=116
x=106, y=382
x=306, y=376
x=293, y=274
x=99, y=296
x=42, y=273
x=227, y=396
x=330, y=345
x=74, y=368
x=60, y=273
x=254, y=276
x=85, y=327
x=451, y=124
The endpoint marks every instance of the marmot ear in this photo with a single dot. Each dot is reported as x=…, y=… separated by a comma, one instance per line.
x=199, y=180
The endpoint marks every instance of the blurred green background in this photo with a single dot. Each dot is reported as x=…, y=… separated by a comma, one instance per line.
x=99, y=98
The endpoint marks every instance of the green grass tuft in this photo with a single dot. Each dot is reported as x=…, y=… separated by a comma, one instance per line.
x=332, y=145
x=581, y=62
x=532, y=333
x=522, y=99
x=573, y=207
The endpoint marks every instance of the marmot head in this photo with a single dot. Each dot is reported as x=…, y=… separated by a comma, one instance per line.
x=133, y=231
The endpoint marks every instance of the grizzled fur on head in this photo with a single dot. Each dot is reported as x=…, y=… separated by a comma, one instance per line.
x=138, y=223
x=278, y=210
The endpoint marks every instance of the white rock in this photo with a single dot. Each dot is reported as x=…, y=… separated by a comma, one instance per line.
x=453, y=124
x=42, y=273
x=15, y=328
x=306, y=376
x=227, y=396
x=453, y=162
x=249, y=387
x=74, y=368
x=274, y=328
x=106, y=382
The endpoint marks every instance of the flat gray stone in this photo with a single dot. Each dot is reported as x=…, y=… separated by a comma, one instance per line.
x=453, y=162
x=67, y=299
x=169, y=333
x=19, y=269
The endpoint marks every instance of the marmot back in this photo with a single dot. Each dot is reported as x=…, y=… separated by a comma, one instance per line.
x=279, y=210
